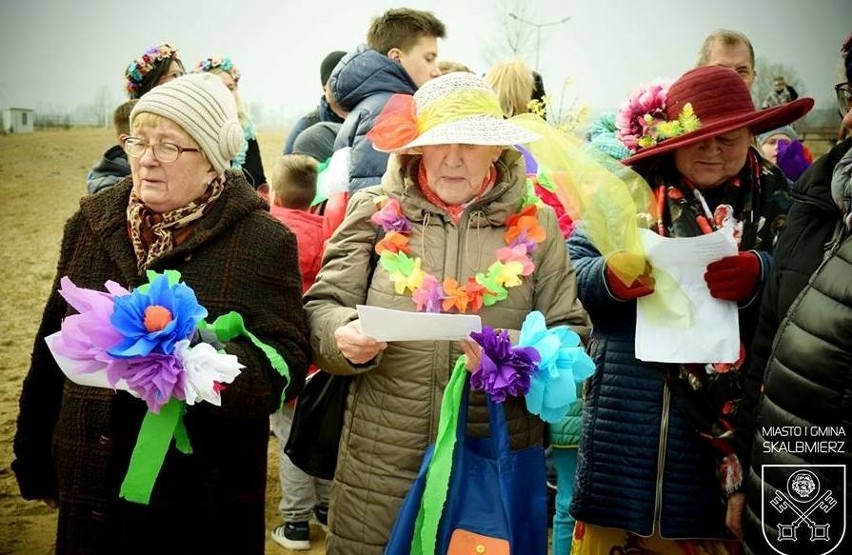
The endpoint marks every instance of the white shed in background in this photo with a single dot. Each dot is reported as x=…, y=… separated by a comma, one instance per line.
x=18, y=120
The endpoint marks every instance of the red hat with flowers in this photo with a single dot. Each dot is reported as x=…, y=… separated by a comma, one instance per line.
x=704, y=102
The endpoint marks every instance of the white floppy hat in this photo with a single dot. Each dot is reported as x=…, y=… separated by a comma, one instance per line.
x=456, y=108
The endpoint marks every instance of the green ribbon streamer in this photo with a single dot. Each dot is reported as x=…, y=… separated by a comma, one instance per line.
x=441, y=465
x=231, y=325
x=157, y=430
x=148, y=456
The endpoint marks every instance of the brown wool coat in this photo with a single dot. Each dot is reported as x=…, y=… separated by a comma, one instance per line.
x=74, y=442
x=394, y=403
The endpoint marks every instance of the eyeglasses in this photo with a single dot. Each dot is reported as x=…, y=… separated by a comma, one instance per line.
x=164, y=152
x=844, y=97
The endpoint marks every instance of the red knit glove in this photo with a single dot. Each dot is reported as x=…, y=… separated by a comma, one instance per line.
x=734, y=278
x=641, y=286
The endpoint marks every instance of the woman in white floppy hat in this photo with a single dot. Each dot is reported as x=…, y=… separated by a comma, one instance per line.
x=453, y=197
x=181, y=210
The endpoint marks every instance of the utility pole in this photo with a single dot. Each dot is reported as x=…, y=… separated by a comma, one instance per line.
x=538, y=27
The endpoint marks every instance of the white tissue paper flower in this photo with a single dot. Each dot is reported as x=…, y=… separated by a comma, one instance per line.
x=205, y=368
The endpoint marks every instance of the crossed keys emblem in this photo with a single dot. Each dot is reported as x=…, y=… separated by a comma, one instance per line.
x=802, y=486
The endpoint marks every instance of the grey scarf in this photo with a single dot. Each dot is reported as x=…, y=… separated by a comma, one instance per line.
x=841, y=187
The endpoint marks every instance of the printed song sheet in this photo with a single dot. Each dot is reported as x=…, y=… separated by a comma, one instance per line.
x=384, y=324
x=711, y=331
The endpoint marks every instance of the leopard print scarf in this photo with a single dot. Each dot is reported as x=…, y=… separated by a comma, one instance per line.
x=153, y=234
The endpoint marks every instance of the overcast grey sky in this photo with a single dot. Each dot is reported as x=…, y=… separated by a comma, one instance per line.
x=62, y=53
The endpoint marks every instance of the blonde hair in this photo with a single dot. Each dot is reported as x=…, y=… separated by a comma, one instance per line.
x=154, y=120
x=294, y=181
x=449, y=66
x=513, y=81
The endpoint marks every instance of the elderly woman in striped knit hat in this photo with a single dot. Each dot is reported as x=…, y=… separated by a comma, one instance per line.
x=183, y=210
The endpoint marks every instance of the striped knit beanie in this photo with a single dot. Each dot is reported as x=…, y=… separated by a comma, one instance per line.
x=203, y=107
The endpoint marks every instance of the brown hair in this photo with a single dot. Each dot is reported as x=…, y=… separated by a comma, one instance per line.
x=121, y=117
x=402, y=28
x=294, y=181
x=728, y=38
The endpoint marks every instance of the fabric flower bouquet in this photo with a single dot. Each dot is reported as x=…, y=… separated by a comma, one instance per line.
x=145, y=342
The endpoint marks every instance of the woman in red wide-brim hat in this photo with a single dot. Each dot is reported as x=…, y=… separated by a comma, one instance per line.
x=656, y=459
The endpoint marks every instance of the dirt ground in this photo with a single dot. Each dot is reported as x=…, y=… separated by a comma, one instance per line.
x=42, y=177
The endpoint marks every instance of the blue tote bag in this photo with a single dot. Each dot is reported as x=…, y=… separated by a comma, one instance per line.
x=473, y=492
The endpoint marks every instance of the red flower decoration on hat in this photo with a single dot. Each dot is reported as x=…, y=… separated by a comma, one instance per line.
x=396, y=126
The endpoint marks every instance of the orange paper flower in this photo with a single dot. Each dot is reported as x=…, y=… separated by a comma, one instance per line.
x=455, y=296
x=527, y=221
x=394, y=242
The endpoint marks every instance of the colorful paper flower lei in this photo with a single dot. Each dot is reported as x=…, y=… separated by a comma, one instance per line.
x=450, y=295
x=223, y=62
x=546, y=366
x=141, y=66
x=140, y=342
x=641, y=122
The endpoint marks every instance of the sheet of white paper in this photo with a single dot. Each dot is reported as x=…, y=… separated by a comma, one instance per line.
x=383, y=324
x=713, y=335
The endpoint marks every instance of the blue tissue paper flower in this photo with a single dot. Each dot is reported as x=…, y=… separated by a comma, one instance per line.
x=154, y=318
x=563, y=367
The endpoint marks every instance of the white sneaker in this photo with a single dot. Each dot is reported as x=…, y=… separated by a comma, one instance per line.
x=293, y=535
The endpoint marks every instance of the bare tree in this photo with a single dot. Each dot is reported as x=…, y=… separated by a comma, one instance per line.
x=100, y=111
x=766, y=72
x=515, y=38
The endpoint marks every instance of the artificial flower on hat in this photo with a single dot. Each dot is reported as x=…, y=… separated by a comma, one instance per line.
x=703, y=103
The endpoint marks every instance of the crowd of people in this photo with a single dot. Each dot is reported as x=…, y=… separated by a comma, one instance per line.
x=404, y=188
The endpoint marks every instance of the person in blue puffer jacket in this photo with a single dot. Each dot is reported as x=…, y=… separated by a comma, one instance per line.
x=656, y=462
x=401, y=54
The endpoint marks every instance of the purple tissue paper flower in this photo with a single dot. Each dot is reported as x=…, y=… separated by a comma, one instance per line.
x=505, y=370
x=156, y=378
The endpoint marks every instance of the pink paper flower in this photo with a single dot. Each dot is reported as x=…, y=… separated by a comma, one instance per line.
x=86, y=336
x=644, y=108
x=430, y=295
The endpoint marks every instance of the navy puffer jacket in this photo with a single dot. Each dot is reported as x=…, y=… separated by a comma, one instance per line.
x=641, y=465
x=362, y=83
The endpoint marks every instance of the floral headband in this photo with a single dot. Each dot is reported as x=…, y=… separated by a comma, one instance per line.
x=219, y=62
x=142, y=66
x=641, y=122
